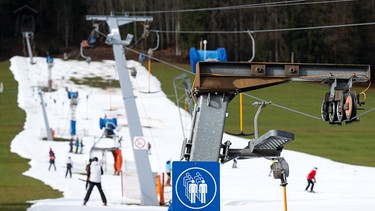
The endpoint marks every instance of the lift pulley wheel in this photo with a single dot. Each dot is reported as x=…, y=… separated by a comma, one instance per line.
x=332, y=111
x=339, y=110
x=323, y=110
x=351, y=103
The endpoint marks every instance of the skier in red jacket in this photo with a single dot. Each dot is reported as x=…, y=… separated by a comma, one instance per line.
x=311, y=179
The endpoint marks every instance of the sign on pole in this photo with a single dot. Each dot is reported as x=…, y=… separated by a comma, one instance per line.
x=196, y=185
x=140, y=143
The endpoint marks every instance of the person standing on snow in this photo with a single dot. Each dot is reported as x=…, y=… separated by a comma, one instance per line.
x=168, y=170
x=51, y=152
x=77, y=145
x=69, y=166
x=81, y=150
x=95, y=172
x=71, y=145
x=273, y=162
x=234, y=165
x=311, y=179
x=51, y=159
x=88, y=176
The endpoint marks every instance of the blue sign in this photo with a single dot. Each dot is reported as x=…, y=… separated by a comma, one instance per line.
x=196, y=185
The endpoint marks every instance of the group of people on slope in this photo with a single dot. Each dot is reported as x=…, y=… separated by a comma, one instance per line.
x=77, y=144
x=52, y=159
x=94, y=174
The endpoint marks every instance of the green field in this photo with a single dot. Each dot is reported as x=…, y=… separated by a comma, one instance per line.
x=16, y=189
x=351, y=143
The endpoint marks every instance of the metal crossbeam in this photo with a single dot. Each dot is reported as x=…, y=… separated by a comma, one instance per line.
x=246, y=76
x=121, y=20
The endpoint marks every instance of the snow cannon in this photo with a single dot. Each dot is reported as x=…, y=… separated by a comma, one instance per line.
x=49, y=60
x=109, y=126
x=72, y=95
x=218, y=55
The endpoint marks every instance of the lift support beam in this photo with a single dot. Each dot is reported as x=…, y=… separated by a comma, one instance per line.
x=241, y=76
x=144, y=173
x=217, y=83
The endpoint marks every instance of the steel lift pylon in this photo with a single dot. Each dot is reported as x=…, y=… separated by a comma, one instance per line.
x=28, y=36
x=217, y=83
x=145, y=177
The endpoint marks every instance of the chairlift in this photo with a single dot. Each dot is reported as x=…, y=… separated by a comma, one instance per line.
x=92, y=41
x=85, y=44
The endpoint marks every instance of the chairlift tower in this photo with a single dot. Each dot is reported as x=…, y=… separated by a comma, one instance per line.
x=145, y=177
x=49, y=61
x=25, y=23
x=29, y=36
x=48, y=129
x=73, y=96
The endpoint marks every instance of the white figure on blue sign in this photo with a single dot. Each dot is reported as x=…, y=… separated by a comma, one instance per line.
x=187, y=179
x=203, y=191
x=193, y=189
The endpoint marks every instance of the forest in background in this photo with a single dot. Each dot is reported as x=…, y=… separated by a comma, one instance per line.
x=280, y=28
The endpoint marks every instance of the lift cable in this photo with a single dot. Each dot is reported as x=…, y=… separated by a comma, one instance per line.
x=283, y=107
x=151, y=135
x=268, y=30
x=248, y=95
x=245, y=6
x=159, y=60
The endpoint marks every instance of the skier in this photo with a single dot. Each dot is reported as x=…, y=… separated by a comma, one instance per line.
x=81, y=143
x=311, y=180
x=51, y=159
x=234, y=165
x=273, y=162
x=95, y=172
x=71, y=145
x=51, y=152
x=69, y=166
x=88, y=176
x=149, y=148
x=77, y=145
x=168, y=170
